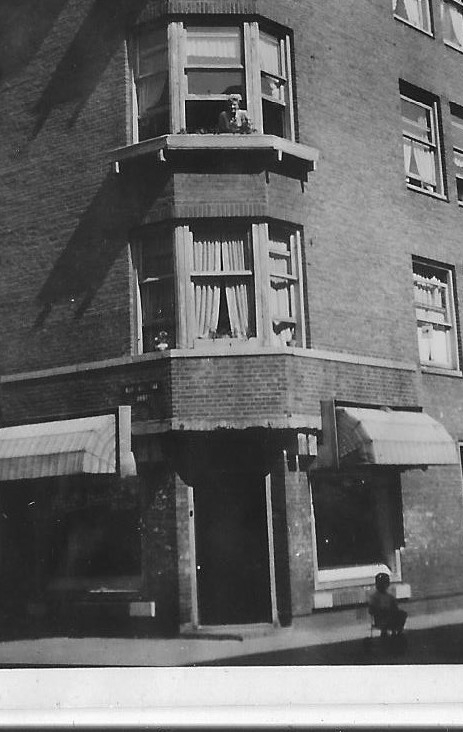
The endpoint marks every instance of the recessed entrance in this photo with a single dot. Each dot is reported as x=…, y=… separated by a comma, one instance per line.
x=232, y=551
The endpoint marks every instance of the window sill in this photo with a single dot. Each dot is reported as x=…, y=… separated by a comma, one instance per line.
x=277, y=147
x=415, y=27
x=454, y=46
x=352, y=576
x=441, y=371
x=439, y=196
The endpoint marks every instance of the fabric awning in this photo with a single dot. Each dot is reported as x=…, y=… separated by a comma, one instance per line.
x=390, y=437
x=86, y=445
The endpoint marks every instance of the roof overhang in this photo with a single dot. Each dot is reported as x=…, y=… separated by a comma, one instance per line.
x=392, y=438
x=93, y=445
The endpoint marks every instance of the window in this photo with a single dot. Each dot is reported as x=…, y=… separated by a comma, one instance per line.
x=422, y=157
x=234, y=281
x=452, y=23
x=198, y=67
x=457, y=130
x=154, y=265
x=358, y=524
x=285, y=301
x=414, y=12
x=435, y=315
x=223, y=283
x=151, y=84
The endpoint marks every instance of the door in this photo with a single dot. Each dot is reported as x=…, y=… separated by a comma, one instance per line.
x=232, y=554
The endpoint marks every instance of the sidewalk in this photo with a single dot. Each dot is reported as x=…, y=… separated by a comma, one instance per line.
x=315, y=630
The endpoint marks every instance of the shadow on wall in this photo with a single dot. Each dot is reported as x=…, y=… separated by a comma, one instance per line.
x=24, y=25
x=79, y=71
x=103, y=231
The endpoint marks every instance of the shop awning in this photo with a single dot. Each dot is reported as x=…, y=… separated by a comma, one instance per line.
x=392, y=437
x=87, y=445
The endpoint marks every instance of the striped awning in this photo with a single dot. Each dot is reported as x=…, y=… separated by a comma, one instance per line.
x=67, y=447
x=392, y=437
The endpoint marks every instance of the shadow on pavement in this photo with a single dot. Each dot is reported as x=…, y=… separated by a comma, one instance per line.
x=431, y=646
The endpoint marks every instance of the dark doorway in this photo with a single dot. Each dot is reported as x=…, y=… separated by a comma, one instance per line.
x=232, y=549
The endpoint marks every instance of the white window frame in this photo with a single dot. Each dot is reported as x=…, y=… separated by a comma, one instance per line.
x=178, y=69
x=433, y=146
x=423, y=11
x=290, y=281
x=448, y=325
x=445, y=5
x=457, y=124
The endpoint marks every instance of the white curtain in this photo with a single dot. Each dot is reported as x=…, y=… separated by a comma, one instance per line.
x=216, y=45
x=207, y=258
x=149, y=91
x=409, y=10
x=269, y=48
x=419, y=161
x=453, y=23
x=237, y=294
x=224, y=254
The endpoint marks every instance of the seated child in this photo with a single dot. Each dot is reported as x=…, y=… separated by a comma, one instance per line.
x=384, y=609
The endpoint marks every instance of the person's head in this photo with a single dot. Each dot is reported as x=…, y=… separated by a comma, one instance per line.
x=382, y=581
x=234, y=102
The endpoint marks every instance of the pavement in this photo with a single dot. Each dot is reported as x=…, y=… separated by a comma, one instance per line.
x=319, y=639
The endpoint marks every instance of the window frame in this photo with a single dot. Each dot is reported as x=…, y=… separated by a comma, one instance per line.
x=434, y=145
x=444, y=4
x=178, y=68
x=428, y=12
x=456, y=119
x=449, y=325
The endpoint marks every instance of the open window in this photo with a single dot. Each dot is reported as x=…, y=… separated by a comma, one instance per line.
x=435, y=315
x=184, y=74
x=421, y=143
x=285, y=276
x=358, y=525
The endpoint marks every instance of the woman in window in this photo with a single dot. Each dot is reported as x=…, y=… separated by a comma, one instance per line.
x=234, y=119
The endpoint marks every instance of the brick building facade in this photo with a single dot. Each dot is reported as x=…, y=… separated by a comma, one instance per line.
x=270, y=316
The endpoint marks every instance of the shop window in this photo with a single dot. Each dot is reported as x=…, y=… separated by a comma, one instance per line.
x=435, y=315
x=154, y=282
x=199, y=67
x=414, y=12
x=358, y=525
x=422, y=155
x=457, y=135
x=452, y=23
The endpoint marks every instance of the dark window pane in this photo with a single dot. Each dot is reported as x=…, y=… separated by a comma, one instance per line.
x=209, y=82
x=460, y=189
x=274, y=118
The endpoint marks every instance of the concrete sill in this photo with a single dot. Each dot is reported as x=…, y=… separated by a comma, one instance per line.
x=456, y=373
x=277, y=147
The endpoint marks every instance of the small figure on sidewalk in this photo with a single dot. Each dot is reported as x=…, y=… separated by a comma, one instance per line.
x=234, y=119
x=384, y=609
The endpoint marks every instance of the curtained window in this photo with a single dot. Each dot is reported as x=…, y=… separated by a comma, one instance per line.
x=421, y=145
x=151, y=84
x=435, y=315
x=452, y=22
x=457, y=136
x=274, y=84
x=223, y=282
x=414, y=12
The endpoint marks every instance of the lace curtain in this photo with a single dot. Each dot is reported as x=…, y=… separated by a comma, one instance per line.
x=221, y=255
x=453, y=23
x=419, y=161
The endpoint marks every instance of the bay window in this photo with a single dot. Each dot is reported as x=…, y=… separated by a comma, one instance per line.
x=435, y=315
x=422, y=155
x=414, y=12
x=184, y=74
x=452, y=23
x=218, y=281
